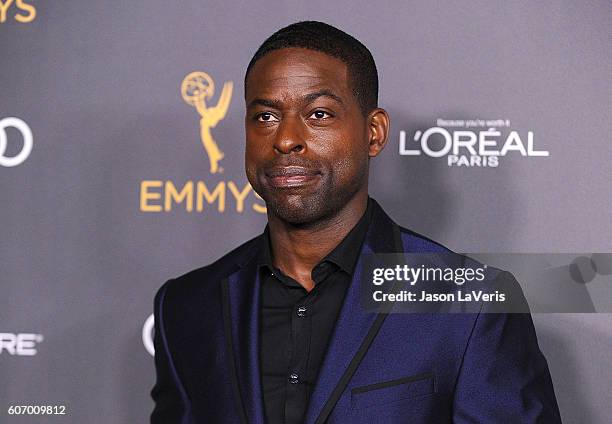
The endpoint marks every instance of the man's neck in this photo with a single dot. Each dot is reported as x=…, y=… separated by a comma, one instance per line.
x=296, y=250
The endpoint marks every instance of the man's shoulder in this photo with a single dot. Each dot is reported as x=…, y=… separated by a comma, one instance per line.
x=413, y=241
x=494, y=278
x=213, y=273
x=417, y=243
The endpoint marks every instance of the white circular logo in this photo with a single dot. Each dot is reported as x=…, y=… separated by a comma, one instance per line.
x=26, y=133
x=147, y=335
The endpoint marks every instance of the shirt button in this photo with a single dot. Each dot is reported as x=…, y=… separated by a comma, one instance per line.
x=294, y=378
x=301, y=311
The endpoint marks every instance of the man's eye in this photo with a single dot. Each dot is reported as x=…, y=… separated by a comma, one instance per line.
x=266, y=117
x=319, y=114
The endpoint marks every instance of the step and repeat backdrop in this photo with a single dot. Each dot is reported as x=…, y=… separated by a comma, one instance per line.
x=501, y=116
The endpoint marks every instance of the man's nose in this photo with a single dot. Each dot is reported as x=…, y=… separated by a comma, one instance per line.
x=290, y=136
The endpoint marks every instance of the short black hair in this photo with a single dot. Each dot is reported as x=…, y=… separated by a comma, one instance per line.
x=324, y=38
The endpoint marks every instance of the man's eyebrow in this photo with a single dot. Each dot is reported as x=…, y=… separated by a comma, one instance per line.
x=275, y=104
x=309, y=98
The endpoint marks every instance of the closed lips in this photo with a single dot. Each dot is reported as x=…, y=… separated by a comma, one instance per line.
x=292, y=177
x=290, y=171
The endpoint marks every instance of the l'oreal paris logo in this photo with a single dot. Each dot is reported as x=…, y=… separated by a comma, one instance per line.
x=470, y=143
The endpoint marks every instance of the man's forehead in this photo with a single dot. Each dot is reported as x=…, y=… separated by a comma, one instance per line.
x=297, y=70
x=298, y=88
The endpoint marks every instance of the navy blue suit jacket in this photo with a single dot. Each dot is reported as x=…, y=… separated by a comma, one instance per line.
x=379, y=368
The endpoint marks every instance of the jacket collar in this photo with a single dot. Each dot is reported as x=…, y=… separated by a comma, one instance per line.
x=349, y=342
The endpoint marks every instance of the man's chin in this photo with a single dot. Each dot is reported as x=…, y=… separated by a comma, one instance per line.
x=298, y=209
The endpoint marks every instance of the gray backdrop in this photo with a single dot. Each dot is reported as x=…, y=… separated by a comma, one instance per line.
x=82, y=249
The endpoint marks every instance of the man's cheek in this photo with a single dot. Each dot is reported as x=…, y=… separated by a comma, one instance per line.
x=344, y=168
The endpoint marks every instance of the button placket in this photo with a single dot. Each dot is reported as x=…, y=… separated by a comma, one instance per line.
x=299, y=358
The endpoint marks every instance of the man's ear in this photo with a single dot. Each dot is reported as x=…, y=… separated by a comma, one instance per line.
x=378, y=125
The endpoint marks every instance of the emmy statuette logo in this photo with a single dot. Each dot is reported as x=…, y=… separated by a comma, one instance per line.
x=220, y=191
x=197, y=89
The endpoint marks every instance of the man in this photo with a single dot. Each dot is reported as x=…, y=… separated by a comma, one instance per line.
x=274, y=331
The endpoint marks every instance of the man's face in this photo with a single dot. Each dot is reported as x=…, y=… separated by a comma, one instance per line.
x=306, y=137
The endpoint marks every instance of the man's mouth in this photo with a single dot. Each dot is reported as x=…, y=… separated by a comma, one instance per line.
x=291, y=176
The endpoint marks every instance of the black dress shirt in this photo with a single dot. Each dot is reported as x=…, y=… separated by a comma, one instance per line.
x=295, y=325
